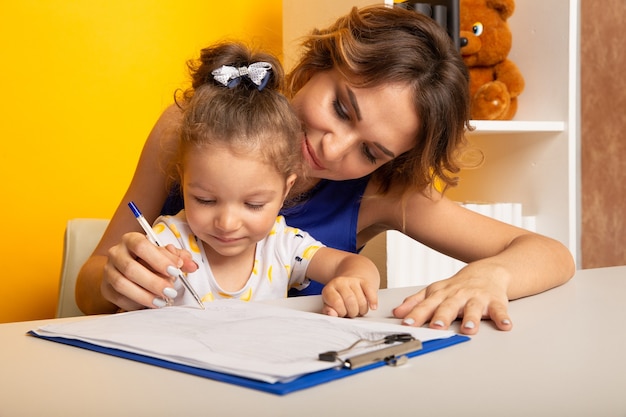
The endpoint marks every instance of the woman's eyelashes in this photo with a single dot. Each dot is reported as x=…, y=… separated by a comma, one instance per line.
x=342, y=113
x=367, y=152
x=340, y=110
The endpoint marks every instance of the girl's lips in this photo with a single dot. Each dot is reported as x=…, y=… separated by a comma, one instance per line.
x=225, y=239
x=310, y=156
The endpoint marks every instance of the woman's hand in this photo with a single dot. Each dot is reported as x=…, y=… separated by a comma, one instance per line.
x=136, y=273
x=474, y=293
x=503, y=262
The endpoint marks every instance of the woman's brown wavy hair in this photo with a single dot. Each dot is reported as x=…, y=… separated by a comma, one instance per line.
x=375, y=45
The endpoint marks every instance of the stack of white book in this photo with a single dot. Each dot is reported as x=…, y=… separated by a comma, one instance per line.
x=411, y=263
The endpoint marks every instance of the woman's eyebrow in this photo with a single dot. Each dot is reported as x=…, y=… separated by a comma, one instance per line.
x=385, y=150
x=355, y=104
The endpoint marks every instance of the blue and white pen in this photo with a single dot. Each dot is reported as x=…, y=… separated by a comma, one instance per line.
x=152, y=237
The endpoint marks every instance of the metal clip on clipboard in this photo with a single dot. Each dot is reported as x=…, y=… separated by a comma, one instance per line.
x=392, y=355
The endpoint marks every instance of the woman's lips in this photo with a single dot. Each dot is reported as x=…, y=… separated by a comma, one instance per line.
x=310, y=156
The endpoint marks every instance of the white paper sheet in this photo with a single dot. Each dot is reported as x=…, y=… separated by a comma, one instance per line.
x=253, y=340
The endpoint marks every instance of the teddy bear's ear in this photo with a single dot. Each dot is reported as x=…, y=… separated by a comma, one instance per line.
x=504, y=7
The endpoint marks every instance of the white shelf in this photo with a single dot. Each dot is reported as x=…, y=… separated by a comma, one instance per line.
x=515, y=126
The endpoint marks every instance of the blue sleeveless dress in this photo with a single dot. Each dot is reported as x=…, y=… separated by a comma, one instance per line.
x=329, y=213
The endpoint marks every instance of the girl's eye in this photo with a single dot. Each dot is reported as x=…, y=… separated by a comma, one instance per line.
x=253, y=206
x=204, y=202
x=368, y=154
x=340, y=110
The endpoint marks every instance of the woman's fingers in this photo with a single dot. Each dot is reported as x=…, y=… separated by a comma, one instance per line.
x=136, y=274
x=440, y=305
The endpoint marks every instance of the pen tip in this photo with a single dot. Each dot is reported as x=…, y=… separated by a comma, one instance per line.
x=134, y=209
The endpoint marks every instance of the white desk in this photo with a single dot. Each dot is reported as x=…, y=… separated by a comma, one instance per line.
x=566, y=356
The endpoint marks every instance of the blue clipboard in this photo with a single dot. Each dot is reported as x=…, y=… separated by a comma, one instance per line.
x=278, y=388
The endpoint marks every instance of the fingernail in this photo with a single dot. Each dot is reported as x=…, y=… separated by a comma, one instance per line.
x=438, y=323
x=173, y=271
x=170, y=292
x=506, y=322
x=158, y=302
x=469, y=324
x=408, y=322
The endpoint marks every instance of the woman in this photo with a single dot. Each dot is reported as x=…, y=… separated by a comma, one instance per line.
x=383, y=98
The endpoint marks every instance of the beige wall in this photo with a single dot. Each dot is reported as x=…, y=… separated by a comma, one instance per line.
x=603, y=137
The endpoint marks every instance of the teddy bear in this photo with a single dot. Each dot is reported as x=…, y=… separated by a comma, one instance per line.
x=486, y=39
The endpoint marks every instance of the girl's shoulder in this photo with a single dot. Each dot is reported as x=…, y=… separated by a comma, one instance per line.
x=282, y=232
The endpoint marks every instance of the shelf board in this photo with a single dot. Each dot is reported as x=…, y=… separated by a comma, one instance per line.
x=515, y=126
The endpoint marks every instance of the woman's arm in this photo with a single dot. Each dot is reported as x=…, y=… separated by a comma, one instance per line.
x=351, y=280
x=504, y=262
x=112, y=278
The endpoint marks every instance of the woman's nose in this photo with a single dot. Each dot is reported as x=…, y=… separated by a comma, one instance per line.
x=335, y=147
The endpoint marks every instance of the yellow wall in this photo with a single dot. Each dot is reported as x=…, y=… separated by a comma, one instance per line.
x=82, y=82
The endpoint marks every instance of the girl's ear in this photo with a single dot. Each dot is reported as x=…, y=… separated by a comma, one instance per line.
x=291, y=180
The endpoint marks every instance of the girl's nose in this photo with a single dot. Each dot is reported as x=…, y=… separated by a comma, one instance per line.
x=227, y=220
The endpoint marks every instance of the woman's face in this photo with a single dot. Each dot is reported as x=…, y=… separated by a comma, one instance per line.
x=348, y=131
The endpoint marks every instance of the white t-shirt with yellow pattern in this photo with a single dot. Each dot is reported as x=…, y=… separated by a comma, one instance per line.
x=281, y=261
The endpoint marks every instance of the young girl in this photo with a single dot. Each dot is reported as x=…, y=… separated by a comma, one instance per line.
x=383, y=98
x=236, y=162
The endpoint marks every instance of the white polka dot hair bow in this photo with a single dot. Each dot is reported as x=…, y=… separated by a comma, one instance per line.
x=258, y=73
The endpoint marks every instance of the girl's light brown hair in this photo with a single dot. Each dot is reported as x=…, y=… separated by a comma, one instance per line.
x=243, y=117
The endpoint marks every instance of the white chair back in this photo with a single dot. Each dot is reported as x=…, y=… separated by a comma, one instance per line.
x=81, y=238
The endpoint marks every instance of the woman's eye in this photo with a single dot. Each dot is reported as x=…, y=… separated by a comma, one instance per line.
x=340, y=110
x=368, y=154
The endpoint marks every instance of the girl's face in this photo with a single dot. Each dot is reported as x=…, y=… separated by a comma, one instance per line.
x=231, y=200
x=348, y=131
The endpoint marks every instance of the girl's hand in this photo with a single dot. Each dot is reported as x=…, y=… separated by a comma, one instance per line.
x=136, y=274
x=349, y=297
x=472, y=294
